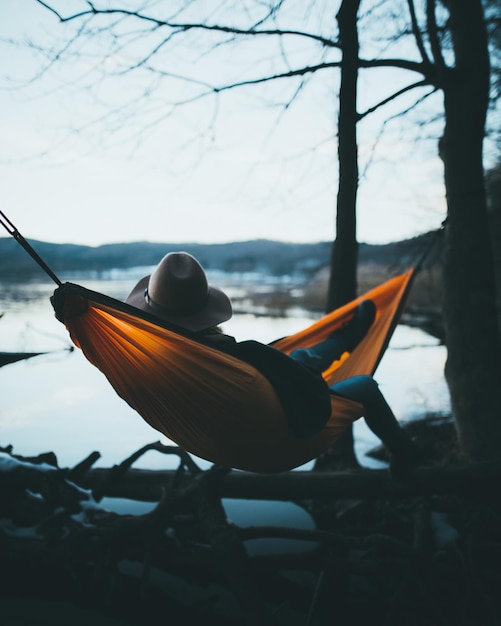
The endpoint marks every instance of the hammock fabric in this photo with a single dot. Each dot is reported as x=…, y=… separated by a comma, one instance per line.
x=211, y=404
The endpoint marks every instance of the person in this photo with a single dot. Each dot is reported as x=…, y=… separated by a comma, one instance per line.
x=178, y=292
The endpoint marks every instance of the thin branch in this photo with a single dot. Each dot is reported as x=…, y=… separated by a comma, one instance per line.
x=186, y=26
x=390, y=119
x=422, y=83
x=147, y=57
x=271, y=14
x=56, y=55
x=412, y=106
x=433, y=34
x=404, y=64
x=253, y=81
x=417, y=33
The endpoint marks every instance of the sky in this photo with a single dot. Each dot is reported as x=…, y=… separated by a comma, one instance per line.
x=91, y=160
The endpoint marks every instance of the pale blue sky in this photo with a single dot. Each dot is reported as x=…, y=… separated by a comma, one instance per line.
x=222, y=169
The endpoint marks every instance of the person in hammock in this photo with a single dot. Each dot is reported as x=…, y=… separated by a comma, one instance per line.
x=178, y=292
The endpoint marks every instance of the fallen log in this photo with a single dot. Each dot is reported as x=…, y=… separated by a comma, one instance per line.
x=461, y=479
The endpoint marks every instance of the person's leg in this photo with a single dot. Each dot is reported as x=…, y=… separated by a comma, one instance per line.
x=381, y=420
x=321, y=356
x=344, y=339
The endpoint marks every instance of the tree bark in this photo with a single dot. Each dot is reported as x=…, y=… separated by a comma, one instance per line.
x=494, y=208
x=473, y=368
x=344, y=256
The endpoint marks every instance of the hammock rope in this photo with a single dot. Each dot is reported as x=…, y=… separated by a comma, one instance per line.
x=12, y=230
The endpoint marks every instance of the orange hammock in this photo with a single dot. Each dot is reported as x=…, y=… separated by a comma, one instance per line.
x=209, y=403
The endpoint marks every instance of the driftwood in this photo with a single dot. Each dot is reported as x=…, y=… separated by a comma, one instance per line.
x=382, y=551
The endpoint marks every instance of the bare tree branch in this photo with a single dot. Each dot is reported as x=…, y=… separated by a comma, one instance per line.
x=178, y=28
x=422, y=83
x=417, y=33
x=186, y=26
x=436, y=48
x=413, y=66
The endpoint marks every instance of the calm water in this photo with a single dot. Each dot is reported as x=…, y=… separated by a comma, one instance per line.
x=59, y=402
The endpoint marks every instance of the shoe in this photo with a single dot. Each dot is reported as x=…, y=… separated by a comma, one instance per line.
x=355, y=330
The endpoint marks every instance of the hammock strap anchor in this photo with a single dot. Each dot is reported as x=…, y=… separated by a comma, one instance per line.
x=12, y=230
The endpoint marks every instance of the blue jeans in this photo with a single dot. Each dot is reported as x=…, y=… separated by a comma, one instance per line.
x=364, y=389
x=378, y=414
x=319, y=357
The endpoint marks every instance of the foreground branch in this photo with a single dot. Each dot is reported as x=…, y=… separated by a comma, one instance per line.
x=464, y=479
x=397, y=547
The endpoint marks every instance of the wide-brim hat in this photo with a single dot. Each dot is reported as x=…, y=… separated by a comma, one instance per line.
x=178, y=291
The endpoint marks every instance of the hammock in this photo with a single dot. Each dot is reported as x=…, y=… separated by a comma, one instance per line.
x=209, y=403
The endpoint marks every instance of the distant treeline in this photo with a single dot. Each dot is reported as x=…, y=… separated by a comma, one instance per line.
x=273, y=257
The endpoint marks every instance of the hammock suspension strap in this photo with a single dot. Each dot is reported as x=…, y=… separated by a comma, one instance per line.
x=12, y=230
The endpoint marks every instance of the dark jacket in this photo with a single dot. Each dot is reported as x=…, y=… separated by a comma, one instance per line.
x=303, y=393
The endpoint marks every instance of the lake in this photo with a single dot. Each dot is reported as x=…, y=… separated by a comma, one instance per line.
x=59, y=402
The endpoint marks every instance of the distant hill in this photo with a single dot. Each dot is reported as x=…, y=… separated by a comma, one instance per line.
x=274, y=257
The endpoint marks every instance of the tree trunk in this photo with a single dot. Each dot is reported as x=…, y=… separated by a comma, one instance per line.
x=344, y=257
x=473, y=367
x=494, y=208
